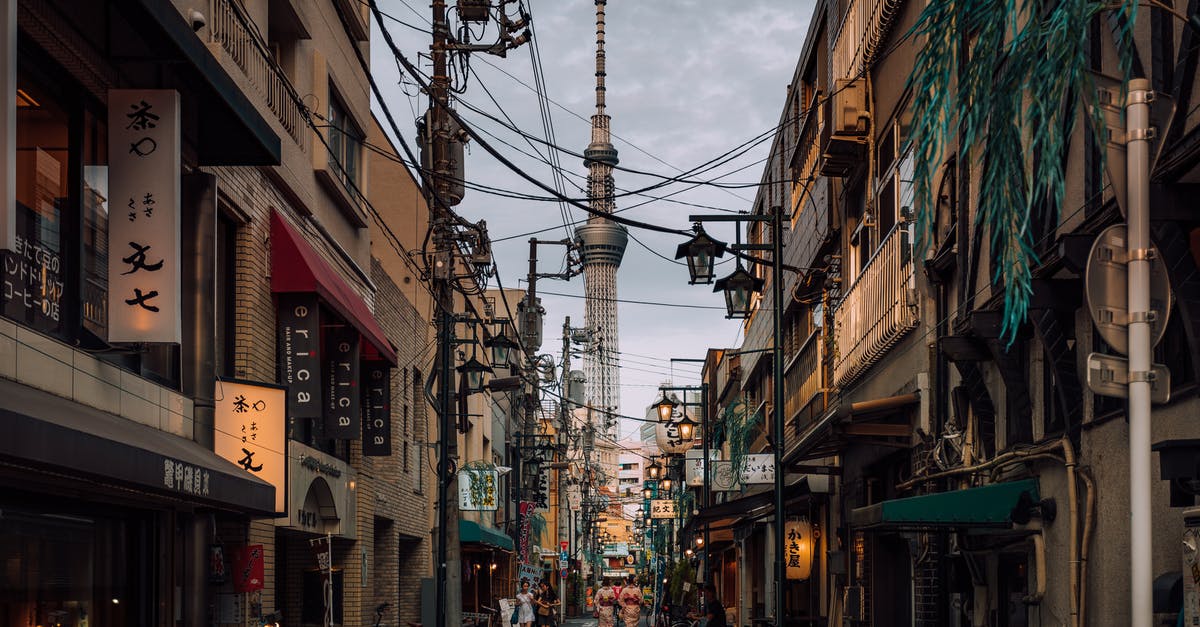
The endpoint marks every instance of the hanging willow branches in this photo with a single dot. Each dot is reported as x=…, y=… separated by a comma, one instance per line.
x=1019, y=67
x=737, y=425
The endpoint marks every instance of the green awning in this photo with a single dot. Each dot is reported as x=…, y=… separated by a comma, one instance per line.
x=989, y=506
x=470, y=531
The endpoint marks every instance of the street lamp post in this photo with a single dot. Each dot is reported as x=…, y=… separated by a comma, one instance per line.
x=706, y=492
x=734, y=285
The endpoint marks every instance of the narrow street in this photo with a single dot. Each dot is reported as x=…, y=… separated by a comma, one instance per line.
x=444, y=313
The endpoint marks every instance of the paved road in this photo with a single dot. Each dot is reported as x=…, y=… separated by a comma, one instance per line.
x=591, y=622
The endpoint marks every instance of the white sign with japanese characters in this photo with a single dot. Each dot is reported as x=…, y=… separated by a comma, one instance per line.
x=694, y=465
x=759, y=468
x=664, y=508
x=143, y=219
x=477, y=490
x=250, y=431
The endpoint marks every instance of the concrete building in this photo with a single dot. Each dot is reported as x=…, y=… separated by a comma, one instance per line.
x=924, y=449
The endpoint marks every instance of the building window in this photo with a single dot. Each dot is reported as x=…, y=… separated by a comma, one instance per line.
x=226, y=281
x=345, y=144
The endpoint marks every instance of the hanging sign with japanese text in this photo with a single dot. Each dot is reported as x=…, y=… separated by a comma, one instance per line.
x=377, y=410
x=248, y=568
x=759, y=468
x=477, y=490
x=798, y=549
x=664, y=508
x=694, y=465
x=249, y=422
x=143, y=225
x=300, y=359
x=342, y=413
x=541, y=493
x=669, y=441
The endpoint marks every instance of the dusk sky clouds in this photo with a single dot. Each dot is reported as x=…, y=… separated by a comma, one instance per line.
x=688, y=81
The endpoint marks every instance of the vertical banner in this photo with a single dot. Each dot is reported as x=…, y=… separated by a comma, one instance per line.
x=143, y=225
x=377, y=411
x=343, y=416
x=525, y=509
x=323, y=550
x=300, y=359
x=248, y=568
x=8, y=124
x=249, y=424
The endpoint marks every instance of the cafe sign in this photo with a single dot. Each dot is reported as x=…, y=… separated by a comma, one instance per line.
x=249, y=424
x=144, y=282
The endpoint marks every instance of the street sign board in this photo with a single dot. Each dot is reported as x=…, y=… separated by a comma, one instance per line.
x=1106, y=284
x=1109, y=106
x=664, y=508
x=1108, y=375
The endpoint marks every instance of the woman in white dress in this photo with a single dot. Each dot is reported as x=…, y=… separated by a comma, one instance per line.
x=525, y=605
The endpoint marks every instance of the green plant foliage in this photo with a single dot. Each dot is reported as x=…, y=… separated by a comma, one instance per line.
x=680, y=573
x=1020, y=67
x=737, y=425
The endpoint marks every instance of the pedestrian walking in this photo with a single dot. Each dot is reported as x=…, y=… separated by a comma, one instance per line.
x=630, y=601
x=606, y=601
x=547, y=598
x=525, y=605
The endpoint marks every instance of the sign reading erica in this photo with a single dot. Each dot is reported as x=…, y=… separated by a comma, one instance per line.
x=300, y=359
x=249, y=424
x=143, y=226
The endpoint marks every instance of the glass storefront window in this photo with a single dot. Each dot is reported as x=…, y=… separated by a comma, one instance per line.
x=35, y=271
x=67, y=569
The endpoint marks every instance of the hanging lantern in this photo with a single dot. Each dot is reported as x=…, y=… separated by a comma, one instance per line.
x=798, y=548
x=700, y=252
x=738, y=288
x=654, y=469
x=687, y=428
x=665, y=407
x=474, y=371
x=501, y=346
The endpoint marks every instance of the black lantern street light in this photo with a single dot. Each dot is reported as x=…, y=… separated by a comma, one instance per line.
x=501, y=346
x=700, y=252
x=474, y=371
x=738, y=288
x=654, y=469
x=687, y=427
x=665, y=408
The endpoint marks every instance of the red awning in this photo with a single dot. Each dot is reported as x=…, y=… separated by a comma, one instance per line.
x=296, y=267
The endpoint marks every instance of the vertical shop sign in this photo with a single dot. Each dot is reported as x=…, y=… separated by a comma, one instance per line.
x=377, y=411
x=143, y=226
x=300, y=359
x=249, y=425
x=525, y=510
x=248, y=568
x=342, y=412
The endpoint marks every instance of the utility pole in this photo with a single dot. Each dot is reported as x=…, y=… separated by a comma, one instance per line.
x=449, y=594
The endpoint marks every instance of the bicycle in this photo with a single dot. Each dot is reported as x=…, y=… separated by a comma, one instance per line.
x=489, y=617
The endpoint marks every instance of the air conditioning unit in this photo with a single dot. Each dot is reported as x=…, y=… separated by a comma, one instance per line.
x=849, y=115
x=844, y=136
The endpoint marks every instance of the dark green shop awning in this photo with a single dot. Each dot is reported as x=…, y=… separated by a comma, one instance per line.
x=987, y=506
x=470, y=531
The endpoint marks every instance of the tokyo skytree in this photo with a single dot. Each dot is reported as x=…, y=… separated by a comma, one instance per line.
x=603, y=245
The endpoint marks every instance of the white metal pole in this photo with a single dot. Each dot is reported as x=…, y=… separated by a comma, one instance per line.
x=1137, y=150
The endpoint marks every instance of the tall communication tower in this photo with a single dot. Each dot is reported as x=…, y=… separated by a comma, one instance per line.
x=603, y=243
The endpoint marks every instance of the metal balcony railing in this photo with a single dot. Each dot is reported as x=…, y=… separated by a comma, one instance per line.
x=875, y=312
x=803, y=379
x=251, y=54
x=863, y=29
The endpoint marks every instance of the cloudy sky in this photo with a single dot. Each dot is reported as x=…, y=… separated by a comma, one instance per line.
x=688, y=81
